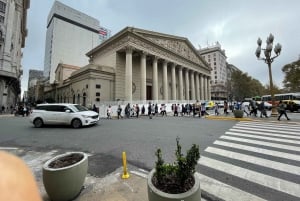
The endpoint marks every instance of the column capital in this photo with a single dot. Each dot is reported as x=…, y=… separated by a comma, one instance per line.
x=165, y=62
x=128, y=49
x=144, y=53
x=155, y=58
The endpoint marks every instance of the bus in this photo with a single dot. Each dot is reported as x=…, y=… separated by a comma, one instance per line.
x=292, y=100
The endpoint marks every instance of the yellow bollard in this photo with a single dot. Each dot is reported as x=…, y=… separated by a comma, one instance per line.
x=125, y=173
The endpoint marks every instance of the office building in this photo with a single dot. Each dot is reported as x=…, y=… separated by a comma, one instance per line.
x=216, y=59
x=70, y=35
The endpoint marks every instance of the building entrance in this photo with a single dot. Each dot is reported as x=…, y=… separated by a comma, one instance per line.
x=149, y=93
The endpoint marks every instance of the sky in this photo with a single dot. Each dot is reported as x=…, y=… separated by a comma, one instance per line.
x=235, y=24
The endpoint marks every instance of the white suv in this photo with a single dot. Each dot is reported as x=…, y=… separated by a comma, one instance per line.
x=63, y=114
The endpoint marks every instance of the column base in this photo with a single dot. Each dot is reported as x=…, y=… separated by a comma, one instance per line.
x=274, y=112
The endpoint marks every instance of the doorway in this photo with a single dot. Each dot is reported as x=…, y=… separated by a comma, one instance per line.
x=149, y=92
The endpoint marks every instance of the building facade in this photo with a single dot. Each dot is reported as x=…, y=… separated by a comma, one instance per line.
x=13, y=31
x=216, y=58
x=34, y=77
x=139, y=65
x=70, y=34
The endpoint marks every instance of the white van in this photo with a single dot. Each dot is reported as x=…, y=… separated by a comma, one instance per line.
x=63, y=114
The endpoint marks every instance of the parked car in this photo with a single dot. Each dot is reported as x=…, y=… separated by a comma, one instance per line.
x=63, y=114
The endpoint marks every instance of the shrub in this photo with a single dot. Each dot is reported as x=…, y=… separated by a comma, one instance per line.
x=178, y=177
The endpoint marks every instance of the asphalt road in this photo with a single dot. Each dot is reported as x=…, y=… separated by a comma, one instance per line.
x=139, y=138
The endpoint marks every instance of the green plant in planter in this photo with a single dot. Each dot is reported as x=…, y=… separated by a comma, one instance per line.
x=178, y=177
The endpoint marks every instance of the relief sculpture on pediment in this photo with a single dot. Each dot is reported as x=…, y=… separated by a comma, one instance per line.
x=161, y=52
x=179, y=47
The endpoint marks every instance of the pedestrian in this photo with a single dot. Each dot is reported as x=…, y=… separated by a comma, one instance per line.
x=143, y=110
x=262, y=109
x=94, y=108
x=119, y=110
x=150, y=110
x=243, y=107
x=127, y=110
x=156, y=109
x=225, y=107
x=217, y=109
x=108, y=112
x=137, y=110
x=281, y=111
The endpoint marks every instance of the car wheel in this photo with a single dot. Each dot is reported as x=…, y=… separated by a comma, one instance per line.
x=76, y=123
x=38, y=123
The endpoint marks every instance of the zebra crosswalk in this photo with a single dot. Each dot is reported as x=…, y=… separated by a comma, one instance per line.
x=253, y=161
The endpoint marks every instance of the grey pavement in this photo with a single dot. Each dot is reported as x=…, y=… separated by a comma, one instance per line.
x=223, y=173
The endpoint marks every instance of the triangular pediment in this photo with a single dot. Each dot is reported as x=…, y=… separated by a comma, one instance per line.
x=178, y=45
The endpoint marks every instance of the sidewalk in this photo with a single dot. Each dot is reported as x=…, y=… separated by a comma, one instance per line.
x=109, y=188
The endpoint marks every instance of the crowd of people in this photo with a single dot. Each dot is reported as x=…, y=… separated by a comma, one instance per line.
x=195, y=109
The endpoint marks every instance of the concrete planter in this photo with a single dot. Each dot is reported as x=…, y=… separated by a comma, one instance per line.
x=238, y=113
x=63, y=184
x=154, y=194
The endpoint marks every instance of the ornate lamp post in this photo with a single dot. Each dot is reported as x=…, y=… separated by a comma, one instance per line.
x=268, y=60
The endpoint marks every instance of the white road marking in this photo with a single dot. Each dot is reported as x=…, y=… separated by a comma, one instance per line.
x=265, y=133
x=224, y=191
x=257, y=142
x=255, y=160
x=264, y=138
x=252, y=176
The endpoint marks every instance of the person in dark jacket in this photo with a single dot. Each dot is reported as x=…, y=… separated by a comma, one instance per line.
x=281, y=111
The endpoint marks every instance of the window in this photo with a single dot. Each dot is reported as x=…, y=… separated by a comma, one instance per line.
x=2, y=7
x=216, y=77
x=87, y=86
x=97, y=93
x=1, y=19
x=97, y=99
x=98, y=86
x=215, y=63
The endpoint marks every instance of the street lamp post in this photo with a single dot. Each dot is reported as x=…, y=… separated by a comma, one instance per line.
x=268, y=60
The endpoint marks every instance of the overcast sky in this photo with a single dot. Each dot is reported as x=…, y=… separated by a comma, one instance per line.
x=235, y=24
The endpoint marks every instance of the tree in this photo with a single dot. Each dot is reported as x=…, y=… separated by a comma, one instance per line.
x=276, y=89
x=244, y=86
x=291, y=80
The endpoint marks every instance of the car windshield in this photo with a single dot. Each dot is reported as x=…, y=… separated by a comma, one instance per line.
x=78, y=108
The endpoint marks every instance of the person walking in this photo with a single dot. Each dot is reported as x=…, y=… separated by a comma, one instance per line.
x=119, y=110
x=137, y=110
x=281, y=111
x=217, y=109
x=263, y=111
x=108, y=112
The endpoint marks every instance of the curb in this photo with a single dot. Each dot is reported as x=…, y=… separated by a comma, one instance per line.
x=228, y=118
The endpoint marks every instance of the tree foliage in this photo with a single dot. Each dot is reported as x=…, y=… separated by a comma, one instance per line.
x=244, y=86
x=291, y=80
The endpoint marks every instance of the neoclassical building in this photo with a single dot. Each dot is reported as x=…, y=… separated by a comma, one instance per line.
x=139, y=65
x=153, y=66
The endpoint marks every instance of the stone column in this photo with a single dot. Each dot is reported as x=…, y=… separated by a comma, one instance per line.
x=154, y=79
x=180, y=83
x=205, y=87
x=192, y=85
x=201, y=87
x=208, y=89
x=173, y=82
x=187, y=85
x=197, y=86
x=143, y=76
x=128, y=75
x=165, y=80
